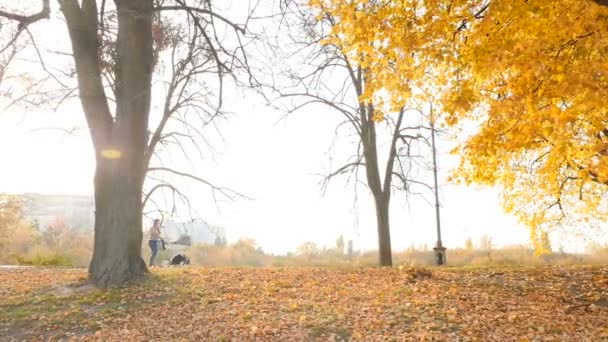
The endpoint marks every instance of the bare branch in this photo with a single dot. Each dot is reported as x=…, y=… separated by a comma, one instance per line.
x=82, y=26
x=154, y=188
x=344, y=169
x=25, y=20
x=192, y=10
x=227, y=192
x=392, y=154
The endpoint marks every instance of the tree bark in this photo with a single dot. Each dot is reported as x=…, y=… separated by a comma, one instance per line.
x=384, y=231
x=119, y=181
x=381, y=196
x=118, y=225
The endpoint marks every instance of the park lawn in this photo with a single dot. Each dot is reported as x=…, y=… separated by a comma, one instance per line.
x=558, y=303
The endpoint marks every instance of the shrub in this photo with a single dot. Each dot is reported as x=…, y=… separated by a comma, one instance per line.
x=52, y=259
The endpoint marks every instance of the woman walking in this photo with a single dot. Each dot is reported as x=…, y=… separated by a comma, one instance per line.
x=155, y=240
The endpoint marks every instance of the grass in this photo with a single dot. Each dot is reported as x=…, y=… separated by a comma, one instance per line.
x=46, y=260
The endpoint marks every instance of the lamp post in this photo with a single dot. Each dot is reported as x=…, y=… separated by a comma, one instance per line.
x=440, y=255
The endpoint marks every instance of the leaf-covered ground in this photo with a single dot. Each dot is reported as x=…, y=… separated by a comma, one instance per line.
x=304, y=304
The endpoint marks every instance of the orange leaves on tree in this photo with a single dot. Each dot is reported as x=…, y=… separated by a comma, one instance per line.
x=541, y=67
x=399, y=45
x=532, y=75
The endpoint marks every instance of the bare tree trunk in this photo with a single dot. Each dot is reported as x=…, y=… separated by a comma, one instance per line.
x=118, y=225
x=381, y=197
x=119, y=182
x=119, y=179
x=384, y=231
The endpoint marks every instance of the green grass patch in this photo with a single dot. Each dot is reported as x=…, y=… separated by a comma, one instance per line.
x=46, y=260
x=80, y=307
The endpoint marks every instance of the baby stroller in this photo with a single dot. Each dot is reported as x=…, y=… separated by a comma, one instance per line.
x=179, y=258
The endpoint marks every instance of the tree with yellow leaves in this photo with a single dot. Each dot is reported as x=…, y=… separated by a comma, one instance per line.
x=394, y=52
x=537, y=73
x=388, y=135
x=532, y=75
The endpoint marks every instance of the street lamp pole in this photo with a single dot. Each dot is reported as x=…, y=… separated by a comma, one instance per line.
x=439, y=249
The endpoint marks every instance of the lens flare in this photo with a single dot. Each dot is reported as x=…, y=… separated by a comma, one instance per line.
x=111, y=153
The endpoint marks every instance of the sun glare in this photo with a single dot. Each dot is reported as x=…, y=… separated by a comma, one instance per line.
x=111, y=153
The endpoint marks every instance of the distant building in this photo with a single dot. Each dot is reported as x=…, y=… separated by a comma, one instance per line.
x=78, y=211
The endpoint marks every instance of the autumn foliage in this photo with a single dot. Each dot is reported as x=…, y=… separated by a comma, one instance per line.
x=22, y=242
x=310, y=304
x=541, y=79
x=531, y=76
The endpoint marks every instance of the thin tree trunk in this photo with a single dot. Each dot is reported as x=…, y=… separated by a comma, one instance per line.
x=381, y=198
x=384, y=231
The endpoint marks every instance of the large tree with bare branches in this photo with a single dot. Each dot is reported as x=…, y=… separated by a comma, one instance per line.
x=115, y=48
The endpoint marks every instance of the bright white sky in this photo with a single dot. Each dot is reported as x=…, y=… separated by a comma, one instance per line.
x=275, y=163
